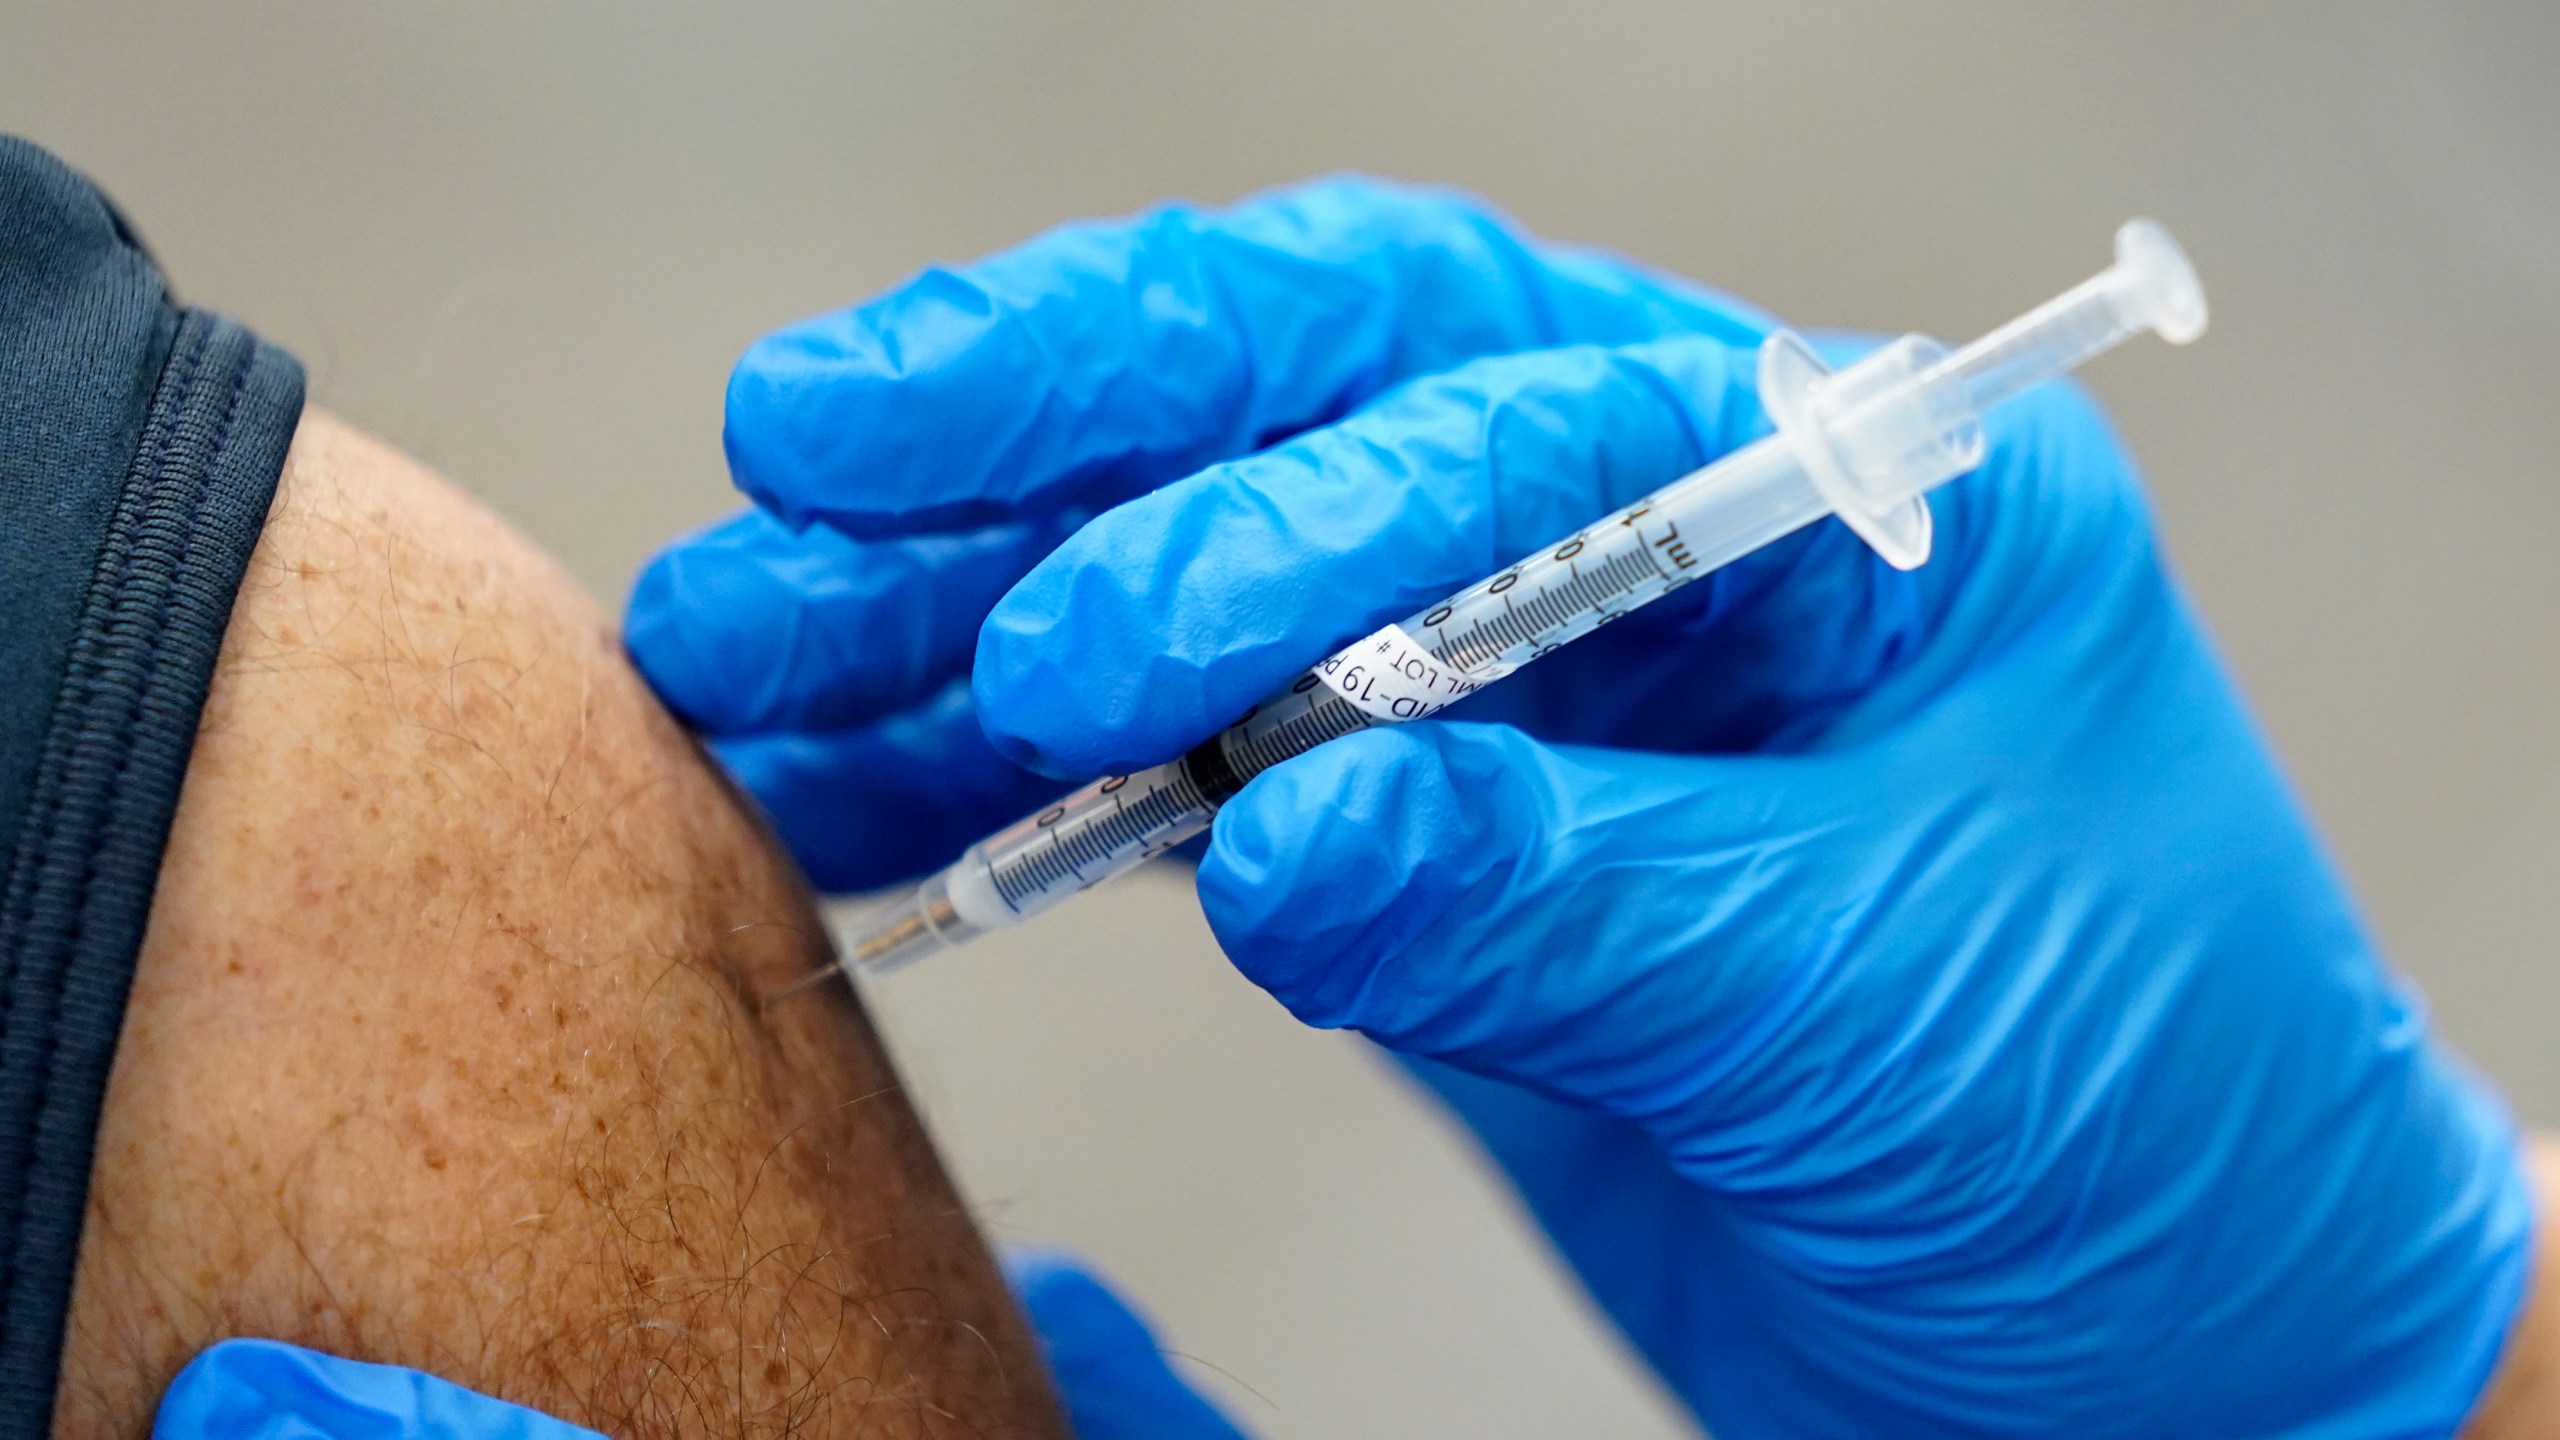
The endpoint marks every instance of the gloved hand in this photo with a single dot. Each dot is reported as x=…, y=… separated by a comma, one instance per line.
x=1108, y=1368
x=915, y=457
x=1912, y=1002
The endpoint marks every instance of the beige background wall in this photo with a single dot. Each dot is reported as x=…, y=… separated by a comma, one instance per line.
x=525, y=241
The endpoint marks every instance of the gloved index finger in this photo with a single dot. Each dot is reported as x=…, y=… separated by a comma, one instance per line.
x=1103, y=359
x=1163, y=620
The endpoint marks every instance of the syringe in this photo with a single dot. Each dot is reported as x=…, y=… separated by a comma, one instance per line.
x=1864, y=444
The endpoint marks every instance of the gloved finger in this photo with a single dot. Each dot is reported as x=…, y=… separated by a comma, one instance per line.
x=1107, y=1364
x=268, y=1390
x=1102, y=359
x=885, y=802
x=1163, y=620
x=1625, y=931
x=750, y=626
x=1160, y=622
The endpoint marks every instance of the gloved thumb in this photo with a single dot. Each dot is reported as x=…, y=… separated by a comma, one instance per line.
x=1107, y=1364
x=1622, y=930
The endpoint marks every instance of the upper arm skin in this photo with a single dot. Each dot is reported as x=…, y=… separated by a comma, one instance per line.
x=444, y=1048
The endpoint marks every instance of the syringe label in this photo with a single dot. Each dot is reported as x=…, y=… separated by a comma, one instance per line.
x=1391, y=676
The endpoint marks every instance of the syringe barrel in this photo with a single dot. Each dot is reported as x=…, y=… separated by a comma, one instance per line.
x=1617, y=563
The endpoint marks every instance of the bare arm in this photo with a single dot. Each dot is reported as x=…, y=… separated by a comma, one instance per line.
x=444, y=1048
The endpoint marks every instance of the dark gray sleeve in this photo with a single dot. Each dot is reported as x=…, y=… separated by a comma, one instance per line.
x=140, y=443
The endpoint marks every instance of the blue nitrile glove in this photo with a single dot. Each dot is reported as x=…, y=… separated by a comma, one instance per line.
x=1929, y=1015
x=268, y=1390
x=1108, y=1367
x=916, y=456
x=1109, y=1371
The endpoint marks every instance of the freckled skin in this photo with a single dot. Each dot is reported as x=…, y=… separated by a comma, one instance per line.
x=444, y=1047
